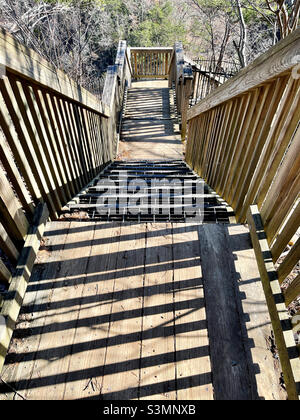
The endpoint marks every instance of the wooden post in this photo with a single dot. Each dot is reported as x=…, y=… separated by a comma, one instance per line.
x=288, y=353
x=187, y=88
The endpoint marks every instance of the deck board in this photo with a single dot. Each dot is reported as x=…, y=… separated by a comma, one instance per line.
x=120, y=311
x=158, y=350
x=191, y=335
x=90, y=343
x=50, y=373
x=121, y=371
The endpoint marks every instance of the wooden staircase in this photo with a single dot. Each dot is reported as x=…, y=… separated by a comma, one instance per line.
x=150, y=191
x=149, y=310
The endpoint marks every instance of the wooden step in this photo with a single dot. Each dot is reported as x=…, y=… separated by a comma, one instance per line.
x=147, y=206
x=146, y=195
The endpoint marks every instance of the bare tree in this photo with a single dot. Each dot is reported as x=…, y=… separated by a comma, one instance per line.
x=287, y=14
x=74, y=36
x=219, y=23
x=227, y=33
x=241, y=46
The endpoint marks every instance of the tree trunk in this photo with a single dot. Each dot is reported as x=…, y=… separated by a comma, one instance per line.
x=241, y=47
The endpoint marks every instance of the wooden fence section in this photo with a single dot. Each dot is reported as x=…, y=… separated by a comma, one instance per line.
x=13, y=299
x=150, y=62
x=118, y=80
x=244, y=139
x=55, y=138
x=207, y=77
x=239, y=134
x=181, y=77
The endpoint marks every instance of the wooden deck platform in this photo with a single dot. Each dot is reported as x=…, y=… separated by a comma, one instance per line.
x=143, y=311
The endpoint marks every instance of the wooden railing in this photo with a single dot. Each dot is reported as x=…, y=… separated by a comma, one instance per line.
x=165, y=63
x=207, y=77
x=118, y=80
x=55, y=138
x=244, y=140
x=181, y=76
x=150, y=62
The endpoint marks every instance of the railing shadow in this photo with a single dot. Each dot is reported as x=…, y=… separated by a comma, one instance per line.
x=174, y=326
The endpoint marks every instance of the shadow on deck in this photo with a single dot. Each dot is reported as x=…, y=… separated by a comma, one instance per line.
x=142, y=311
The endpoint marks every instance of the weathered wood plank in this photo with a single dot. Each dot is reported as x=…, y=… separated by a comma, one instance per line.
x=289, y=262
x=157, y=379
x=108, y=95
x=20, y=360
x=230, y=371
x=185, y=101
x=221, y=173
x=265, y=152
x=61, y=320
x=151, y=49
x=293, y=291
x=12, y=214
x=11, y=168
x=296, y=321
x=54, y=144
x=281, y=133
x=35, y=147
x=255, y=319
x=7, y=245
x=285, y=235
x=284, y=337
x=45, y=151
x=22, y=146
x=284, y=191
x=91, y=341
x=122, y=363
x=62, y=123
x=13, y=132
x=193, y=367
x=5, y=274
x=255, y=141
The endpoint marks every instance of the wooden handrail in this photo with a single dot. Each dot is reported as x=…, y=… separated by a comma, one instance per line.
x=150, y=62
x=118, y=78
x=279, y=59
x=53, y=140
x=152, y=49
x=244, y=140
x=181, y=75
x=13, y=299
x=23, y=61
x=128, y=62
x=277, y=303
x=233, y=132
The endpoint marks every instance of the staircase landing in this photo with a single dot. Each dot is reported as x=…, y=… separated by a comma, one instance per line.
x=150, y=129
